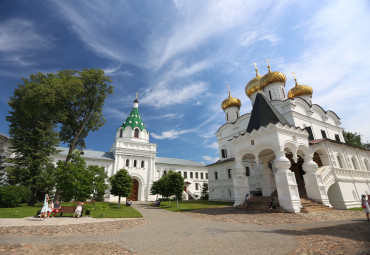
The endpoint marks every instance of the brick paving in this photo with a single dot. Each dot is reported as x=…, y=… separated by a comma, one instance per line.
x=207, y=231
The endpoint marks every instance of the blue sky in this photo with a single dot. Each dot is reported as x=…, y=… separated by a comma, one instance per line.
x=181, y=55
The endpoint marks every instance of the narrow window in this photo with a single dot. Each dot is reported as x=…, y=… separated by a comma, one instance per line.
x=136, y=134
x=120, y=132
x=196, y=175
x=337, y=138
x=283, y=91
x=191, y=175
x=135, y=163
x=216, y=177
x=340, y=162
x=223, y=153
x=185, y=175
x=247, y=171
x=127, y=162
x=164, y=172
x=229, y=173
x=310, y=134
x=207, y=176
x=270, y=95
x=323, y=133
x=179, y=172
x=354, y=164
x=227, y=117
x=201, y=176
x=237, y=114
x=196, y=186
x=142, y=164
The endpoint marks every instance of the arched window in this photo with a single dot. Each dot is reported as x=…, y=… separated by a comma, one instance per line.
x=354, y=163
x=136, y=134
x=216, y=177
x=227, y=117
x=127, y=162
x=142, y=164
x=283, y=91
x=367, y=165
x=120, y=132
x=270, y=95
x=135, y=163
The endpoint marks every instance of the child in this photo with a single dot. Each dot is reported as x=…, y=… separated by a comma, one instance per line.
x=45, y=207
x=78, y=210
x=50, y=208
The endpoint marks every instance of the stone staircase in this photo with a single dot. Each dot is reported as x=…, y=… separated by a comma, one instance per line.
x=260, y=204
x=310, y=206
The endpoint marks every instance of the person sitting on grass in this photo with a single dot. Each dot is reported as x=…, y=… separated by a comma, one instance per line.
x=157, y=202
x=129, y=203
x=57, y=207
x=78, y=210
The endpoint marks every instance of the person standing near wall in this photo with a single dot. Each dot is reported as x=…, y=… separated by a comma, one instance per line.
x=366, y=206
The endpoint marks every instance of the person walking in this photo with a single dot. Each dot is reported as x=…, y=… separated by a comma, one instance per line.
x=365, y=205
x=248, y=200
x=45, y=207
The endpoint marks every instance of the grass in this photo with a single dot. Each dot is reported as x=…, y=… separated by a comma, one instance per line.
x=111, y=212
x=190, y=205
x=356, y=209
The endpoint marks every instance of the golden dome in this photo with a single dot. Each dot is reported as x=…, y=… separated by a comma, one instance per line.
x=272, y=77
x=254, y=84
x=230, y=101
x=299, y=90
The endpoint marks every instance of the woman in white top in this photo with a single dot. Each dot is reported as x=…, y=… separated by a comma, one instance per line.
x=366, y=206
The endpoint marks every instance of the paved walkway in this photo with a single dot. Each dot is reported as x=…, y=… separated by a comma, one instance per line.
x=220, y=231
x=176, y=233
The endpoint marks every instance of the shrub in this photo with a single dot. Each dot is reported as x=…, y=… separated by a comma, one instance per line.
x=11, y=196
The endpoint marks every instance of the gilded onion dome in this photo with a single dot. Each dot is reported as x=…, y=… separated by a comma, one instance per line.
x=253, y=85
x=299, y=90
x=230, y=101
x=272, y=77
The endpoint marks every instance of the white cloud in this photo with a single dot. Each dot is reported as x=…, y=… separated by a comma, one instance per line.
x=210, y=158
x=170, y=134
x=169, y=116
x=163, y=97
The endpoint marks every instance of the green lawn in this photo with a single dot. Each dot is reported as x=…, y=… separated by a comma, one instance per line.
x=355, y=209
x=112, y=211
x=191, y=205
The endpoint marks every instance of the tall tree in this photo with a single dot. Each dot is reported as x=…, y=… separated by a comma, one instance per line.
x=205, y=192
x=121, y=185
x=35, y=111
x=85, y=112
x=99, y=181
x=171, y=184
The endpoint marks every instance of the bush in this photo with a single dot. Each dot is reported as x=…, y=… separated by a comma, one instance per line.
x=11, y=196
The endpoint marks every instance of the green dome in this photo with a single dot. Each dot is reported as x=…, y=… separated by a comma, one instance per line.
x=134, y=120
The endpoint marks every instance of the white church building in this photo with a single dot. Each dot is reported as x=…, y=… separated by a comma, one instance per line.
x=288, y=147
x=132, y=151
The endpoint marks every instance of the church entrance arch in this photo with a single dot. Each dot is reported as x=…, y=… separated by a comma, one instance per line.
x=297, y=169
x=134, y=190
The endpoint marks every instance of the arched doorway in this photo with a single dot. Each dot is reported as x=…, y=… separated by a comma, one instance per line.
x=298, y=171
x=134, y=190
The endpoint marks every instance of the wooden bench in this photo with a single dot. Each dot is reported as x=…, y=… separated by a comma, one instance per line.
x=67, y=209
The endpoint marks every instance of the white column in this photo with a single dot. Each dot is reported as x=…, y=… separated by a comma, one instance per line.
x=268, y=182
x=240, y=183
x=286, y=184
x=313, y=182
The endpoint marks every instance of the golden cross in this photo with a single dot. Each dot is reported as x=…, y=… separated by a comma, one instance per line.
x=294, y=75
x=295, y=79
x=136, y=94
x=228, y=88
x=268, y=64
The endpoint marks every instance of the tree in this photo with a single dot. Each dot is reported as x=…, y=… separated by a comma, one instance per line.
x=355, y=139
x=121, y=185
x=85, y=112
x=205, y=192
x=99, y=183
x=35, y=111
x=78, y=181
x=171, y=184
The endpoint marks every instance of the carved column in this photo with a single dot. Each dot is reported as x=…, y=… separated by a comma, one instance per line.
x=313, y=182
x=286, y=184
x=268, y=181
x=240, y=183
